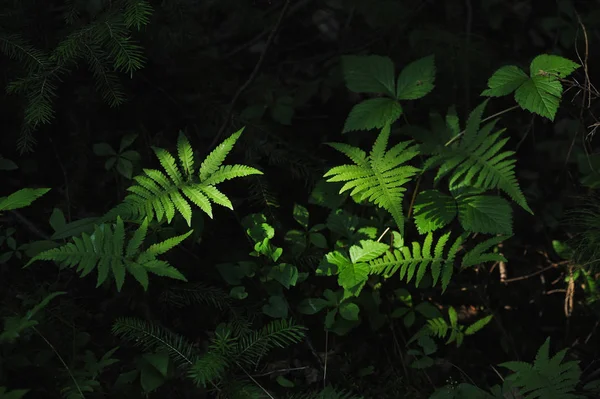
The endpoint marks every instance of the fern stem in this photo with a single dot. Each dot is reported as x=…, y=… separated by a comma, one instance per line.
x=453, y=139
x=254, y=381
x=252, y=76
x=61, y=360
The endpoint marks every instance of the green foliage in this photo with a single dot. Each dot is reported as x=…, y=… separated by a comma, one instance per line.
x=226, y=350
x=12, y=394
x=122, y=161
x=113, y=254
x=541, y=91
x=14, y=326
x=21, y=198
x=157, y=195
x=378, y=177
x=475, y=159
x=375, y=74
x=415, y=262
x=548, y=377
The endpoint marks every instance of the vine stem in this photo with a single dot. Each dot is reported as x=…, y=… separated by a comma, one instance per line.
x=60, y=358
x=251, y=78
x=497, y=114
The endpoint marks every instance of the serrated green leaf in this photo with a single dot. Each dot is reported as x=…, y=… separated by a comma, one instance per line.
x=367, y=251
x=540, y=95
x=433, y=210
x=485, y=214
x=312, y=305
x=349, y=311
x=368, y=74
x=416, y=79
x=21, y=198
x=353, y=277
x=276, y=308
x=285, y=274
x=504, y=81
x=301, y=215
x=547, y=64
x=373, y=113
x=478, y=325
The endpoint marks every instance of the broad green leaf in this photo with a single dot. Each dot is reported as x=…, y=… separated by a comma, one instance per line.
x=57, y=219
x=353, y=277
x=478, y=325
x=238, y=292
x=318, y=240
x=7, y=164
x=416, y=79
x=562, y=249
x=276, y=308
x=453, y=316
x=300, y=214
x=367, y=251
x=312, y=305
x=103, y=150
x=125, y=168
x=547, y=64
x=433, y=210
x=296, y=239
x=349, y=311
x=127, y=141
x=373, y=113
x=285, y=274
x=485, y=214
x=21, y=198
x=369, y=74
x=284, y=382
x=504, y=81
x=540, y=95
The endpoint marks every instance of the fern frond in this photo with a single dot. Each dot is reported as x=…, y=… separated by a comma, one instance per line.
x=152, y=337
x=380, y=176
x=107, y=83
x=127, y=55
x=478, y=160
x=548, y=377
x=419, y=259
x=157, y=195
x=198, y=293
x=105, y=250
x=278, y=333
x=477, y=255
x=137, y=13
x=39, y=90
x=17, y=48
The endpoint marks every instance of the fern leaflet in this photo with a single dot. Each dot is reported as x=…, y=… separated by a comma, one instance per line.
x=378, y=177
x=105, y=250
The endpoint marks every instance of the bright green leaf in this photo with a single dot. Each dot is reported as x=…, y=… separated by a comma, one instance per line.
x=416, y=79
x=369, y=74
x=373, y=113
x=504, y=81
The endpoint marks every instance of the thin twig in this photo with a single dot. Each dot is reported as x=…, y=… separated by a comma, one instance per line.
x=251, y=78
x=60, y=358
x=453, y=139
x=256, y=382
x=525, y=277
x=282, y=371
x=325, y=360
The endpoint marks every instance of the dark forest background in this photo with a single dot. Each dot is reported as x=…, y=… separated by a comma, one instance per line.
x=82, y=75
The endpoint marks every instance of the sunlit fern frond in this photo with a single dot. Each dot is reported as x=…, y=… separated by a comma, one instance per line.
x=159, y=194
x=197, y=293
x=380, y=176
x=109, y=251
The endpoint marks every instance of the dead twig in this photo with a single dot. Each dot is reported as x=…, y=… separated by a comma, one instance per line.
x=251, y=78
